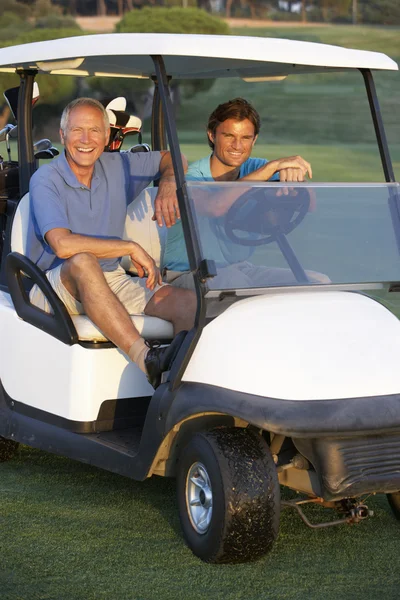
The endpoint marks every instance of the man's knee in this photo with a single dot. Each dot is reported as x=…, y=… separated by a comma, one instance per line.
x=80, y=264
x=176, y=296
x=316, y=277
x=174, y=301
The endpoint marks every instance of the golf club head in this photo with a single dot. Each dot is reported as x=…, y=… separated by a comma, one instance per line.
x=44, y=154
x=6, y=131
x=44, y=144
x=14, y=133
x=11, y=97
x=54, y=151
x=139, y=148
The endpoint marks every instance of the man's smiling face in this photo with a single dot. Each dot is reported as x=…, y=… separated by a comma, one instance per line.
x=84, y=138
x=233, y=142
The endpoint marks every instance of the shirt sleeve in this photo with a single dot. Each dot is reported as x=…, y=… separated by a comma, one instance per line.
x=142, y=169
x=252, y=164
x=194, y=173
x=48, y=207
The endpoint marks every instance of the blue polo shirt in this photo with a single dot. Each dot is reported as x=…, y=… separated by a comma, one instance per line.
x=219, y=247
x=58, y=199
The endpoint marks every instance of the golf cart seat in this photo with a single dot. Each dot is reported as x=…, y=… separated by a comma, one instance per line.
x=138, y=226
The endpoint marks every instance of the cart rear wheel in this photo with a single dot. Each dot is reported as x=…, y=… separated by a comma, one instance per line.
x=228, y=496
x=394, y=503
x=7, y=449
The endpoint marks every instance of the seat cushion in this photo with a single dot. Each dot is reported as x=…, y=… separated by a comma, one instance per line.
x=140, y=228
x=151, y=328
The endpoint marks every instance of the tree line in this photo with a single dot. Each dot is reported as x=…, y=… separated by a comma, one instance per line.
x=385, y=12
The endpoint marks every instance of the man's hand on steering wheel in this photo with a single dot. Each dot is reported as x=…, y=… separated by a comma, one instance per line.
x=289, y=172
x=293, y=168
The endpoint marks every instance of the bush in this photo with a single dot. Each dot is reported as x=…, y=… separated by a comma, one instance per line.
x=164, y=20
x=12, y=20
x=285, y=15
x=384, y=12
x=11, y=26
x=57, y=22
x=9, y=19
x=44, y=8
x=314, y=15
x=18, y=8
x=40, y=35
x=53, y=90
x=171, y=20
x=178, y=3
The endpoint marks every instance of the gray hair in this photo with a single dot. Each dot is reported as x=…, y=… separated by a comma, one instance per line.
x=82, y=102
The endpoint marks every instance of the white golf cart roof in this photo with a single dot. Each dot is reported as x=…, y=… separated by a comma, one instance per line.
x=186, y=56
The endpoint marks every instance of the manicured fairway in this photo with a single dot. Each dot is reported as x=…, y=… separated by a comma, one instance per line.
x=69, y=531
x=72, y=532
x=350, y=163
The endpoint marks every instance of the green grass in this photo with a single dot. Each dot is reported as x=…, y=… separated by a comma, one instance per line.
x=72, y=532
x=353, y=162
x=328, y=110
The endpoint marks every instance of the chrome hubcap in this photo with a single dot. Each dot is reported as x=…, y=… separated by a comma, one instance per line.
x=199, y=497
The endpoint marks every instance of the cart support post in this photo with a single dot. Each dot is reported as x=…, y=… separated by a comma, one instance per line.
x=378, y=125
x=158, y=141
x=26, y=159
x=188, y=222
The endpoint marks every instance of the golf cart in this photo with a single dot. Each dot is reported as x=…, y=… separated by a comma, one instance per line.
x=290, y=381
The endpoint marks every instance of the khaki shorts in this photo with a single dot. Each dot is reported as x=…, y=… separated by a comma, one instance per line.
x=131, y=291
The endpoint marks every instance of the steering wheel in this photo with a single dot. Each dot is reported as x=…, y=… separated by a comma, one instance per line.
x=260, y=212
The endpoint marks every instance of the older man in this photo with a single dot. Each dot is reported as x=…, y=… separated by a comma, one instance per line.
x=79, y=204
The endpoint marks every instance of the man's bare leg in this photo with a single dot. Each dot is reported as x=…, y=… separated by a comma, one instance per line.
x=82, y=276
x=84, y=279
x=175, y=305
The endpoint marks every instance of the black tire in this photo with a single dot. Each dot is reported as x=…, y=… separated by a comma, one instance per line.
x=244, y=519
x=7, y=449
x=394, y=503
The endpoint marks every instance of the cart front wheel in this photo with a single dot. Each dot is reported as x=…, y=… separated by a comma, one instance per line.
x=7, y=449
x=394, y=503
x=228, y=496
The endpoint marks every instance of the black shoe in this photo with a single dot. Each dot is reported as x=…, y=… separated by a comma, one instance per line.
x=159, y=360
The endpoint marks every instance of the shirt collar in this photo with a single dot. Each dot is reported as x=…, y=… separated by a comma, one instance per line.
x=69, y=176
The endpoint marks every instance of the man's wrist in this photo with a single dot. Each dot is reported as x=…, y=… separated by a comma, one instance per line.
x=272, y=166
x=132, y=247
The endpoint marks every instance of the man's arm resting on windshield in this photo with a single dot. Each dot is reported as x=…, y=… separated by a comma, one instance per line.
x=292, y=168
x=66, y=244
x=166, y=203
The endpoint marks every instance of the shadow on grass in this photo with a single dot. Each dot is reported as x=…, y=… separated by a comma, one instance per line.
x=71, y=531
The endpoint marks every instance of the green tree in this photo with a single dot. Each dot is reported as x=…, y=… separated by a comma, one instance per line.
x=335, y=10
x=160, y=20
x=171, y=20
x=54, y=90
x=382, y=12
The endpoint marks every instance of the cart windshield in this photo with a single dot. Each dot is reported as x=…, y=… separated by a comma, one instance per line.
x=267, y=234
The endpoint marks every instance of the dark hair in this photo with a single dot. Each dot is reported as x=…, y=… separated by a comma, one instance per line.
x=238, y=109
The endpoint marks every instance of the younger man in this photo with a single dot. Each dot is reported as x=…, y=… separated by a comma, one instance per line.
x=232, y=131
